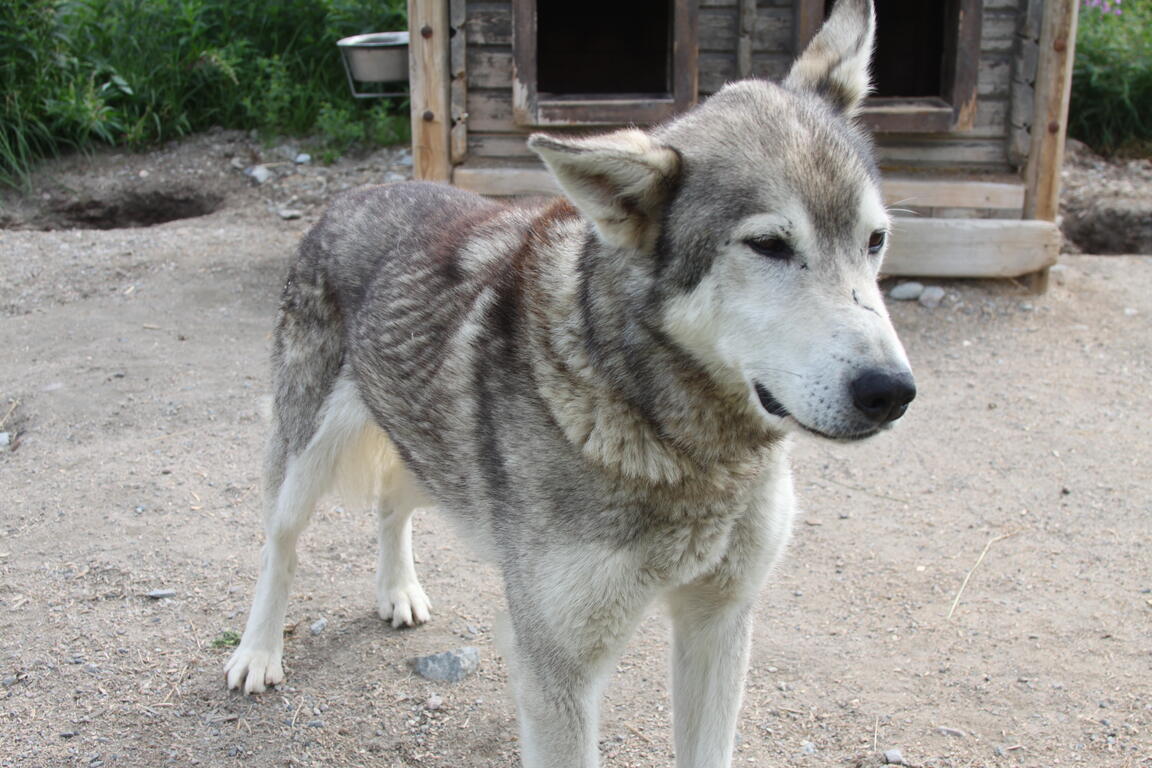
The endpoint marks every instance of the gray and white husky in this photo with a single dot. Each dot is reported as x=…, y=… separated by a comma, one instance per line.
x=599, y=389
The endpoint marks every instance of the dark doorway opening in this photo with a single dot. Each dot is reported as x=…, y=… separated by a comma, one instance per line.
x=914, y=40
x=604, y=47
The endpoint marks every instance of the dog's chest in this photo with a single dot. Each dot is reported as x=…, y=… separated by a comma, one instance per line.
x=677, y=554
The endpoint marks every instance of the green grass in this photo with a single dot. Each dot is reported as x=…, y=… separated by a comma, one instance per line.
x=79, y=73
x=226, y=639
x=1111, y=104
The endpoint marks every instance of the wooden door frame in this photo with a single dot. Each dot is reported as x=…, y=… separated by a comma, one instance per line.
x=530, y=108
x=954, y=110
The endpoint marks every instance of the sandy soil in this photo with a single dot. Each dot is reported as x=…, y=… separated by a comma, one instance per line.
x=131, y=384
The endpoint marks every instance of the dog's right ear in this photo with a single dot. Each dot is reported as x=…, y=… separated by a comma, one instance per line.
x=835, y=64
x=620, y=180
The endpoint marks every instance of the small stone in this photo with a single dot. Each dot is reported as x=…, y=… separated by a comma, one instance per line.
x=392, y=177
x=302, y=159
x=260, y=173
x=951, y=731
x=1059, y=274
x=449, y=666
x=5, y=439
x=1131, y=311
x=906, y=291
x=143, y=174
x=404, y=159
x=158, y=594
x=893, y=757
x=315, y=723
x=319, y=625
x=289, y=213
x=808, y=748
x=286, y=152
x=434, y=702
x=931, y=297
x=236, y=163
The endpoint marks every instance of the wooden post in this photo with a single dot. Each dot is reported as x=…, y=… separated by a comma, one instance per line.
x=1050, y=120
x=1050, y=123
x=458, y=90
x=809, y=17
x=428, y=80
x=747, y=29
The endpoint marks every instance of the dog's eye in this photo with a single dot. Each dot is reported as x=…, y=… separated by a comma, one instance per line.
x=772, y=247
x=876, y=241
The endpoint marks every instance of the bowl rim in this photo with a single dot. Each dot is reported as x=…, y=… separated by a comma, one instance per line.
x=375, y=40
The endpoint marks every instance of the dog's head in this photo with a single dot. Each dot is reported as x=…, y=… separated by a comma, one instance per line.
x=760, y=219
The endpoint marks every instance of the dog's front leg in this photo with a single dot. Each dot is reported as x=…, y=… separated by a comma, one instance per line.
x=572, y=612
x=711, y=637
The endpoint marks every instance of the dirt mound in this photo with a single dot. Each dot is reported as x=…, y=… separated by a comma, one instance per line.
x=1106, y=204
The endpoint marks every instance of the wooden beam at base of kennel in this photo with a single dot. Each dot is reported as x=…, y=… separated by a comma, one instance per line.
x=971, y=247
x=512, y=179
x=428, y=75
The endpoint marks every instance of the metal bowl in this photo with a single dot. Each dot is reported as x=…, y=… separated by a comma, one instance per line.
x=380, y=57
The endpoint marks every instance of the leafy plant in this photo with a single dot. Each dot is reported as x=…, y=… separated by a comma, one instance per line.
x=77, y=73
x=1111, y=101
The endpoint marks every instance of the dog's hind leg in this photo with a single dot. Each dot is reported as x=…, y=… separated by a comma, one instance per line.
x=295, y=483
x=399, y=596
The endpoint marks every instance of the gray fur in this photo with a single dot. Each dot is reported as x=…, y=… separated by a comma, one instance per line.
x=546, y=375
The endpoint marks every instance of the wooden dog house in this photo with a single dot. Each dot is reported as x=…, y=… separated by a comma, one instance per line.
x=969, y=109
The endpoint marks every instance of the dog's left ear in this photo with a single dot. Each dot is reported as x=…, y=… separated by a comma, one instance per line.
x=620, y=180
x=835, y=64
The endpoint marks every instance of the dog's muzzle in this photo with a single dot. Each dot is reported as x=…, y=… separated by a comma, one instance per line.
x=883, y=397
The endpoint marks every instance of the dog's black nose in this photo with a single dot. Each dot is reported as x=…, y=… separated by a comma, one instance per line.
x=882, y=396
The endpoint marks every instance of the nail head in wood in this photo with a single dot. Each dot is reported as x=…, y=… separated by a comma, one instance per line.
x=425, y=31
x=428, y=116
x=1053, y=127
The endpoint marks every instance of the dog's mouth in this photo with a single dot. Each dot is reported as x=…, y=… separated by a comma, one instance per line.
x=773, y=406
x=770, y=403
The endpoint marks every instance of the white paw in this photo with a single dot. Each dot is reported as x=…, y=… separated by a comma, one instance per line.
x=405, y=605
x=253, y=669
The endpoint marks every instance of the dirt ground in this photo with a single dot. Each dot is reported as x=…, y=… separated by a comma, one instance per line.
x=973, y=588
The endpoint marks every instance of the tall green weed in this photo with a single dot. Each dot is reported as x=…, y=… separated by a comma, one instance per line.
x=74, y=73
x=1111, y=102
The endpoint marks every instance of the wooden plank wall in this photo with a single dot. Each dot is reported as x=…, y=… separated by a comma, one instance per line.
x=493, y=133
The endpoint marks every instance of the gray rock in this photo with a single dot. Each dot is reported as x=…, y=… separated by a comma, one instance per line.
x=1059, y=273
x=906, y=291
x=392, y=177
x=5, y=439
x=434, y=702
x=260, y=173
x=303, y=158
x=319, y=625
x=157, y=594
x=286, y=152
x=945, y=730
x=808, y=748
x=236, y=163
x=893, y=757
x=931, y=297
x=449, y=666
x=289, y=213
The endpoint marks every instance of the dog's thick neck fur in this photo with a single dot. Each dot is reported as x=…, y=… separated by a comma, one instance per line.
x=656, y=417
